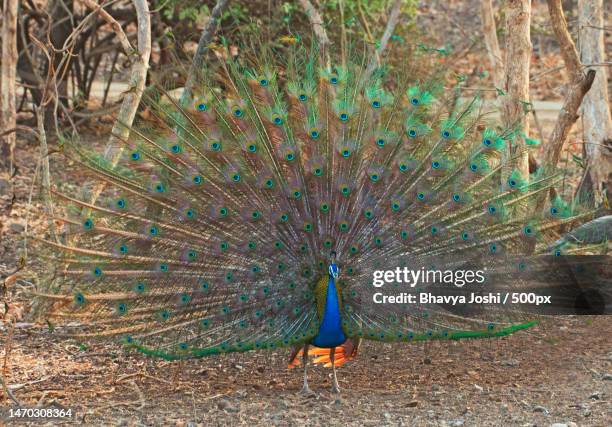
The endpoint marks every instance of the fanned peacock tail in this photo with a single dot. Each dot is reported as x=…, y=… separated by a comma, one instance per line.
x=217, y=223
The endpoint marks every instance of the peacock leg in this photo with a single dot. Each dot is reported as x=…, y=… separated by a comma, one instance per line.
x=332, y=356
x=305, y=389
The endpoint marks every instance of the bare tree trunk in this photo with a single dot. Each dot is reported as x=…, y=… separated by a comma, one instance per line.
x=578, y=86
x=489, y=32
x=131, y=101
x=516, y=85
x=496, y=59
x=596, y=104
x=203, y=43
x=8, y=78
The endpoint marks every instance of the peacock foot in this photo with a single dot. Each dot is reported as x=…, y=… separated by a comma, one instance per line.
x=335, y=389
x=306, y=391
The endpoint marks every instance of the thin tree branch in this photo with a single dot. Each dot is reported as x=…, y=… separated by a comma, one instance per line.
x=317, y=27
x=123, y=39
x=392, y=20
x=198, y=58
x=578, y=86
x=491, y=42
x=131, y=101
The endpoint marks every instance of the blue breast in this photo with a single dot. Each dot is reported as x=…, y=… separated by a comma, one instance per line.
x=330, y=332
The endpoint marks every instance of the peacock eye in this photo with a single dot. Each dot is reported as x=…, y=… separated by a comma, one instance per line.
x=446, y=134
x=333, y=80
x=553, y=211
x=302, y=97
x=380, y=142
x=414, y=101
x=277, y=121
x=135, y=155
x=487, y=142
x=376, y=104
x=314, y=134
x=202, y=107
x=263, y=82
x=412, y=133
x=344, y=117
x=252, y=148
x=435, y=165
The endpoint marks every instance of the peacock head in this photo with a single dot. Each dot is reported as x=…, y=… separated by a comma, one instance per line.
x=334, y=271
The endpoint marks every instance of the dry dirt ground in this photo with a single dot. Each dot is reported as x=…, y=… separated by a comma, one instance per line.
x=559, y=372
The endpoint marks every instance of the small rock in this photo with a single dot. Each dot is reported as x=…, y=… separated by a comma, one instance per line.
x=596, y=395
x=510, y=362
x=16, y=227
x=387, y=415
x=261, y=369
x=239, y=367
x=431, y=414
x=479, y=388
x=338, y=401
x=541, y=409
x=5, y=185
x=435, y=387
x=412, y=404
x=607, y=377
x=456, y=423
x=427, y=361
x=586, y=413
x=226, y=405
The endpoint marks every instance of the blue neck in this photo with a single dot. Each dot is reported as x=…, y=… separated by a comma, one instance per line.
x=330, y=332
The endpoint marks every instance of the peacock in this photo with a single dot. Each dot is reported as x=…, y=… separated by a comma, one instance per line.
x=254, y=216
